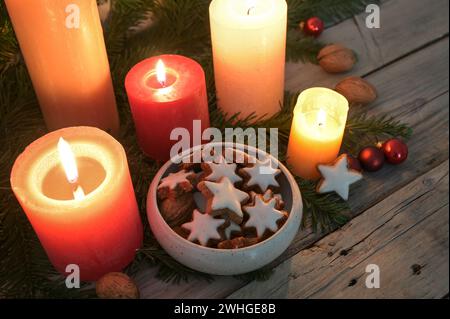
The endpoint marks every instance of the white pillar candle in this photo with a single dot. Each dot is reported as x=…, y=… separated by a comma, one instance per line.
x=249, y=48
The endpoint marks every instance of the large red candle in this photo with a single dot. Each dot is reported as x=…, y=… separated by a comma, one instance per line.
x=75, y=188
x=166, y=92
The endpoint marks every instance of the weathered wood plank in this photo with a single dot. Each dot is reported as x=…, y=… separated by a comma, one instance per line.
x=430, y=69
x=406, y=25
x=406, y=231
x=150, y=287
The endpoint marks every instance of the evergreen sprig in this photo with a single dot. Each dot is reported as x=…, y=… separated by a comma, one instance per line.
x=363, y=129
x=180, y=26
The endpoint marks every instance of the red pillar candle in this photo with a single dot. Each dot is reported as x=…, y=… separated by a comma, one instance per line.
x=166, y=92
x=75, y=188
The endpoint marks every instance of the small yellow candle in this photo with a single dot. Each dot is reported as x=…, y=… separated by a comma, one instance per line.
x=317, y=131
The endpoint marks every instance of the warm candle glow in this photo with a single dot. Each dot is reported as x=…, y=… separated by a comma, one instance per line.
x=321, y=118
x=99, y=233
x=317, y=131
x=161, y=72
x=249, y=50
x=68, y=160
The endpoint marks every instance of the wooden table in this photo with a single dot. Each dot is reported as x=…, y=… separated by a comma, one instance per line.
x=400, y=214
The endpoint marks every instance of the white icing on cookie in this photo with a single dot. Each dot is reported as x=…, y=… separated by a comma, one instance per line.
x=174, y=179
x=337, y=177
x=223, y=169
x=262, y=174
x=203, y=227
x=226, y=196
x=232, y=228
x=263, y=216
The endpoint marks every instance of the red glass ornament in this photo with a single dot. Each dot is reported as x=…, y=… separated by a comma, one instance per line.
x=313, y=26
x=371, y=158
x=354, y=164
x=395, y=151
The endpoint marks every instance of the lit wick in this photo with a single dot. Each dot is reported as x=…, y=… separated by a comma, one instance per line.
x=251, y=5
x=70, y=168
x=161, y=73
x=321, y=118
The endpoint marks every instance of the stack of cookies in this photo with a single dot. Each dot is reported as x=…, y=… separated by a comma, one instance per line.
x=226, y=200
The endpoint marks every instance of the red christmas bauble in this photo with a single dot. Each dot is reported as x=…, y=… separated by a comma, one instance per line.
x=354, y=164
x=395, y=151
x=371, y=158
x=313, y=26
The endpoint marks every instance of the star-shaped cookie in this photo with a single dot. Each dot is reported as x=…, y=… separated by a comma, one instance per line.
x=263, y=216
x=337, y=177
x=203, y=227
x=224, y=198
x=221, y=169
x=176, y=184
x=262, y=174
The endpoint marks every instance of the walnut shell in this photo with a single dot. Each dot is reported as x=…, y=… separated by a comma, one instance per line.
x=335, y=58
x=357, y=90
x=176, y=211
x=116, y=285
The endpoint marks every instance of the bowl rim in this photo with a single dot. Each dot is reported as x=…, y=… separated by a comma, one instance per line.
x=285, y=171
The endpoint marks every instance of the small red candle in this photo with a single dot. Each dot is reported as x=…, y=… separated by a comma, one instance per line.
x=166, y=92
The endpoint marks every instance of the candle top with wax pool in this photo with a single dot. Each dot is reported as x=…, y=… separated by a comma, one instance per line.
x=182, y=78
x=98, y=152
x=247, y=14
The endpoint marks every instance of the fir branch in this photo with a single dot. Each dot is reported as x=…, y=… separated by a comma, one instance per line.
x=124, y=15
x=362, y=130
x=170, y=270
x=9, y=49
x=262, y=274
x=327, y=211
x=302, y=48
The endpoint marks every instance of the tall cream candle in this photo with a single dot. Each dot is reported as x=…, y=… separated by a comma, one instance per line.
x=249, y=48
x=64, y=50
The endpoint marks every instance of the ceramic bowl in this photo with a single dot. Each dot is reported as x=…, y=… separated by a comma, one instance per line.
x=227, y=261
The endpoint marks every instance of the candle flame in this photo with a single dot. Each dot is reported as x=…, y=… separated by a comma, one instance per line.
x=68, y=160
x=161, y=72
x=321, y=117
x=78, y=193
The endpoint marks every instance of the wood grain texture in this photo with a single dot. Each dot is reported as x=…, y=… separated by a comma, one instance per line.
x=414, y=89
x=406, y=25
x=406, y=235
